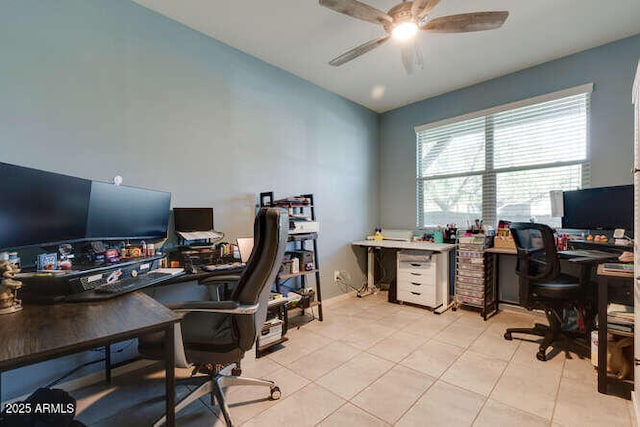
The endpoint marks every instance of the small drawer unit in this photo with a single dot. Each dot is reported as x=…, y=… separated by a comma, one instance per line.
x=473, y=274
x=418, y=275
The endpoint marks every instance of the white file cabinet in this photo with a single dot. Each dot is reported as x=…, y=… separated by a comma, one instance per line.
x=419, y=274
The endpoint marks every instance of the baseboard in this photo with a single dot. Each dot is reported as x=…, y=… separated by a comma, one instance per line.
x=635, y=411
x=519, y=309
x=339, y=298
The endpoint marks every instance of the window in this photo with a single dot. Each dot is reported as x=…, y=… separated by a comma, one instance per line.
x=503, y=162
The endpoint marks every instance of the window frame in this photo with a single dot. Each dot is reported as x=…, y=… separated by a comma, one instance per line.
x=489, y=174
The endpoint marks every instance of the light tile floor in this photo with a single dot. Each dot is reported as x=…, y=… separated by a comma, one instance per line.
x=371, y=363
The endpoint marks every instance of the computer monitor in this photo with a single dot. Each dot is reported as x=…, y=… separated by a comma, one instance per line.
x=604, y=208
x=39, y=208
x=193, y=219
x=121, y=212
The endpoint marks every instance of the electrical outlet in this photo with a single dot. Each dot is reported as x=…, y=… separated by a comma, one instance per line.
x=336, y=275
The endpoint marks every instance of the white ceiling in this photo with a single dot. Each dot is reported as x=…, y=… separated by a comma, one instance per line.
x=301, y=37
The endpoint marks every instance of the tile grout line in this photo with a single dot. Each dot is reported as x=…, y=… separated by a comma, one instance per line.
x=443, y=372
x=555, y=400
x=496, y=384
x=395, y=364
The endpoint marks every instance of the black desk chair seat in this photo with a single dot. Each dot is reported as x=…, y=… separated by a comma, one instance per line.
x=563, y=287
x=215, y=334
x=541, y=284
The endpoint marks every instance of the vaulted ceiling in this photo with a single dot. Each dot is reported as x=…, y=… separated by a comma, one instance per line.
x=301, y=37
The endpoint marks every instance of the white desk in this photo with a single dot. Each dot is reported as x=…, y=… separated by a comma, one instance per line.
x=442, y=249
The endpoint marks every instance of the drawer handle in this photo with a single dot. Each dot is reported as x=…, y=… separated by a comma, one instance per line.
x=416, y=284
x=415, y=274
x=416, y=293
x=416, y=265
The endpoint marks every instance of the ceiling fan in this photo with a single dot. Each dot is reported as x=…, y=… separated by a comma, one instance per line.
x=403, y=21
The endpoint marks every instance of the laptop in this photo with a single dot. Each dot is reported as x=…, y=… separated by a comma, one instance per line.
x=245, y=247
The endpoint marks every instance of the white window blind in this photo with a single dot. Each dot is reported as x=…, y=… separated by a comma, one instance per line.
x=502, y=163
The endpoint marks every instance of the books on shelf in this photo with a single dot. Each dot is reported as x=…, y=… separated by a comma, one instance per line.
x=620, y=317
x=617, y=267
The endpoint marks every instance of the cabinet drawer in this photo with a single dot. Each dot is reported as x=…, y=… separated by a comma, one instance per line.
x=418, y=267
x=419, y=297
x=416, y=277
x=413, y=285
x=414, y=256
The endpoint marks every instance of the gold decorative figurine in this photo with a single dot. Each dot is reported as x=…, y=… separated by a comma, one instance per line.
x=9, y=302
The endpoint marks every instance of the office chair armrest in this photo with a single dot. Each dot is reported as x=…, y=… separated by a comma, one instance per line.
x=220, y=279
x=531, y=251
x=228, y=307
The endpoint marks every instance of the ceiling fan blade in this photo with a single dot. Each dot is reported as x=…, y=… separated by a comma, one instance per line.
x=357, y=10
x=411, y=57
x=467, y=22
x=420, y=8
x=360, y=50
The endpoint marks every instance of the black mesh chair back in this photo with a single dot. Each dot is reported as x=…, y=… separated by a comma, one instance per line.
x=537, y=256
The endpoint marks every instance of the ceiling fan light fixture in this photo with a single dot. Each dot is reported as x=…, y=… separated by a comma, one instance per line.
x=405, y=31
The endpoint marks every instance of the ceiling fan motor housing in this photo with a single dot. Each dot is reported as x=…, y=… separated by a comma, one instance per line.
x=400, y=13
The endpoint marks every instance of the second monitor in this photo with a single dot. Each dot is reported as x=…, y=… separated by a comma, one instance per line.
x=193, y=219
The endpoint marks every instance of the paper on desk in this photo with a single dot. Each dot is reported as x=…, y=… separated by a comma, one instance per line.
x=171, y=271
x=199, y=235
x=557, y=206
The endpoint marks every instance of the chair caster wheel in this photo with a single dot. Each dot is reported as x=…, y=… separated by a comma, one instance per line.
x=507, y=336
x=275, y=393
x=236, y=372
x=541, y=356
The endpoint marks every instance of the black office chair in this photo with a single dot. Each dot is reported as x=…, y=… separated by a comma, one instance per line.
x=220, y=332
x=542, y=285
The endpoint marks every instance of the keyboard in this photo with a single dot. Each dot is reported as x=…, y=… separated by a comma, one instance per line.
x=133, y=283
x=589, y=253
x=223, y=267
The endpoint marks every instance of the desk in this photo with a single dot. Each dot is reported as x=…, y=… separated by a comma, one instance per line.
x=495, y=253
x=622, y=286
x=42, y=332
x=440, y=248
x=586, y=263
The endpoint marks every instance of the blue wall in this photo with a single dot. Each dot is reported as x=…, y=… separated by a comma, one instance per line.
x=610, y=67
x=95, y=88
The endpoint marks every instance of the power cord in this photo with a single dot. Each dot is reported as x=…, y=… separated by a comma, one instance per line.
x=383, y=279
x=84, y=365
x=344, y=280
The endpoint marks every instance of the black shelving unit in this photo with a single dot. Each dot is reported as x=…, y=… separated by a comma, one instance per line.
x=299, y=242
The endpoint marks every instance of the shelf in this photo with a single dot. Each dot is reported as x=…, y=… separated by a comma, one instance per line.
x=302, y=236
x=299, y=309
x=272, y=344
x=619, y=332
x=614, y=378
x=291, y=275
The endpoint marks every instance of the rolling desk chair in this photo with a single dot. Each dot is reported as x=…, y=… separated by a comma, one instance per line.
x=220, y=332
x=541, y=284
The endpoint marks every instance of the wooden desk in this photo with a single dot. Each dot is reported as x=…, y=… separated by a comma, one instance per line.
x=42, y=332
x=442, y=248
x=622, y=284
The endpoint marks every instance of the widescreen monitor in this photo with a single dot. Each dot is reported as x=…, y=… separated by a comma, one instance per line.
x=121, y=212
x=41, y=208
x=193, y=219
x=604, y=208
